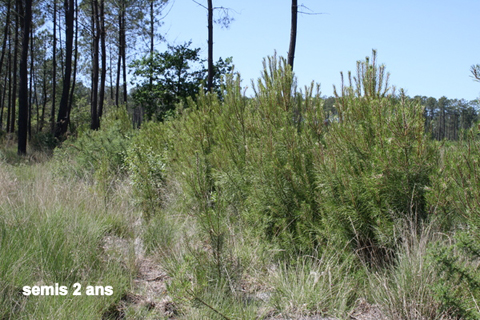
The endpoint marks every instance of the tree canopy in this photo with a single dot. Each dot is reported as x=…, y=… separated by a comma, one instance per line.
x=168, y=78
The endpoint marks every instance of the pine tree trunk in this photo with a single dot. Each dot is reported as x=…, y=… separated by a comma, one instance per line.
x=10, y=77
x=119, y=64
x=101, y=95
x=74, y=80
x=293, y=34
x=13, y=103
x=2, y=101
x=54, y=69
x=94, y=124
x=210, y=46
x=44, y=94
x=112, y=95
x=26, y=19
x=63, y=110
x=5, y=35
x=152, y=35
x=4, y=49
x=30, y=89
x=124, y=57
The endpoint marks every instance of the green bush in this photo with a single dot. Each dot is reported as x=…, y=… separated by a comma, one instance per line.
x=375, y=164
x=104, y=149
x=298, y=176
x=43, y=141
x=283, y=171
x=458, y=187
x=255, y=153
x=146, y=166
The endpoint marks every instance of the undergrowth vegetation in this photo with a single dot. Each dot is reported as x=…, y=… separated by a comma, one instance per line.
x=52, y=232
x=259, y=207
x=364, y=187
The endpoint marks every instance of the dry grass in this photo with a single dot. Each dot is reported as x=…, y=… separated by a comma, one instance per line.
x=51, y=231
x=405, y=289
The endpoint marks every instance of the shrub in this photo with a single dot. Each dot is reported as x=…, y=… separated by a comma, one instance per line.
x=299, y=179
x=105, y=148
x=255, y=153
x=458, y=187
x=44, y=142
x=375, y=164
x=146, y=166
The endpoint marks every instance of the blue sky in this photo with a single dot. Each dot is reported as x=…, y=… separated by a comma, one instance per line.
x=427, y=46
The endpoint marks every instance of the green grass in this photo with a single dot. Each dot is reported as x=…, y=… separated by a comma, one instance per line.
x=51, y=231
x=254, y=207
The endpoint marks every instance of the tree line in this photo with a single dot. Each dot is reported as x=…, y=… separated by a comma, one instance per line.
x=444, y=118
x=64, y=60
x=55, y=53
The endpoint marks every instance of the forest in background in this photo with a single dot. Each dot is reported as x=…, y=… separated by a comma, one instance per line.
x=63, y=63
x=283, y=204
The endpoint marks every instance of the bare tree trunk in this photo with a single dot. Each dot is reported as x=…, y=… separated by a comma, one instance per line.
x=5, y=35
x=13, y=103
x=4, y=49
x=152, y=25
x=122, y=60
x=10, y=77
x=293, y=34
x=112, y=96
x=54, y=68
x=60, y=51
x=63, y=110
x=44, y=94
x=74, y=80
x=152, y=35
x=4, y=93
x=101, y=95
x=30, y=87
x=124, y=57
x=35, y=96
x=26, y=19
x=94, y=124
x=210, y=46
x=119, y=65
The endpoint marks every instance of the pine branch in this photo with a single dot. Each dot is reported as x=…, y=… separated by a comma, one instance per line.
x=311, y=13
x=201, y=5
x=206, y=304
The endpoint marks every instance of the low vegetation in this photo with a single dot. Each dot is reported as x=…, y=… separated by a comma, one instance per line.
x=263, y=207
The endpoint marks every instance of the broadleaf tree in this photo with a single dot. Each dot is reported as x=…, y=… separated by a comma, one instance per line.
x=168, y=78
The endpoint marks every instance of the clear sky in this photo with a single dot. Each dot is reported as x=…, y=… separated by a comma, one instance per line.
x=428, y=46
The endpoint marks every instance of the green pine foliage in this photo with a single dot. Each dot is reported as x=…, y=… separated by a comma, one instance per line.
x=253, y=154
x=146, y=167
x=304, y=178
x=375, y=164
x=459, y=182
